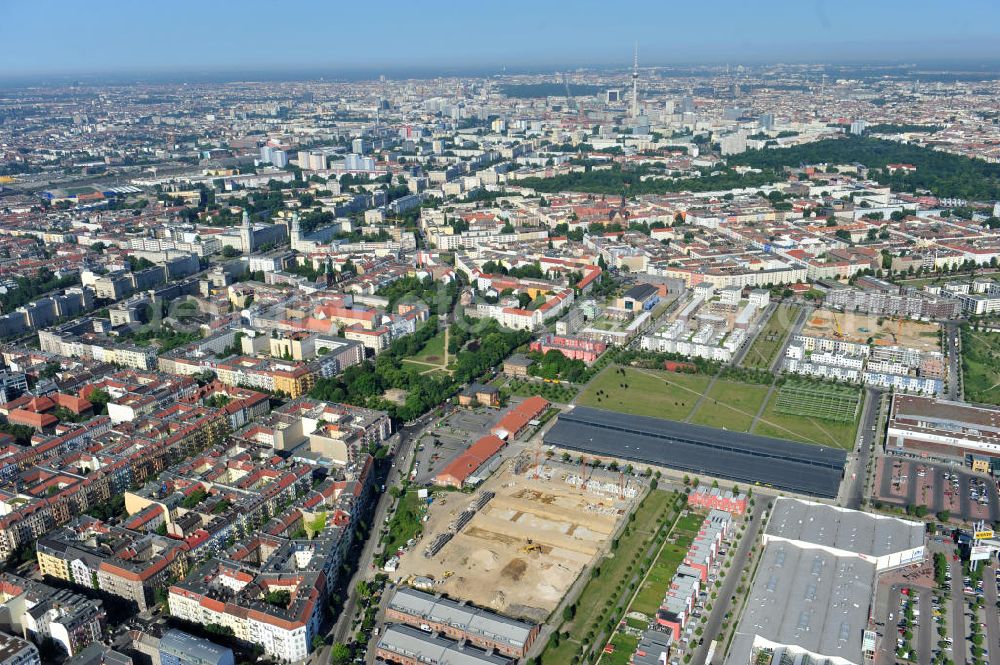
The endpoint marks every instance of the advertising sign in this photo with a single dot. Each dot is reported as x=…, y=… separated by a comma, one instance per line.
x=980, y=553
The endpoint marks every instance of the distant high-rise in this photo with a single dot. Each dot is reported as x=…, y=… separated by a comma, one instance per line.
x=732, y=113
x=279, y=158
x=355, y=162
x=635, y=83
x=858, y=127
x=270, y=155
x=361, y=146
x=733, y=144
x=766, y=121
x=311, y=161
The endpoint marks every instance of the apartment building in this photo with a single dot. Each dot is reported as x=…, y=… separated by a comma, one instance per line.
x=278, y=611
x=459, y=621
x=572, y=347
x=111, y=559
x=18, y=651
x=69, y=619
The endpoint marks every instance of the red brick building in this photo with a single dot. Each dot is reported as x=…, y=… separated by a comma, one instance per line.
x=714, y=498
x=572, y=347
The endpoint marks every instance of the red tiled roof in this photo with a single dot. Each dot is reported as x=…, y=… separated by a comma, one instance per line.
x=466, y=464
x=521, y=415
x=32, y=419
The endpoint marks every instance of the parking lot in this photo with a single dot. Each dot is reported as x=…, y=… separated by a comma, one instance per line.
x=906, y=616
x=455, y=433
x=939, y=487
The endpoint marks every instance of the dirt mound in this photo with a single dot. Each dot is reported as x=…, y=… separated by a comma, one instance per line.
x=483, y=560
x=515, y=569
x=498, y=601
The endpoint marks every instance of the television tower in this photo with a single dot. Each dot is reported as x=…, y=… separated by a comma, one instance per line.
x=635, y=82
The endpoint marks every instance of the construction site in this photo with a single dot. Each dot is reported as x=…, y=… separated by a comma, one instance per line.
x=518, y=543
x=860, y=328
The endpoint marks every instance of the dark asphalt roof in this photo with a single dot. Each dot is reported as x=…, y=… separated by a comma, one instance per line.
x=745, y=458
x=641, y=291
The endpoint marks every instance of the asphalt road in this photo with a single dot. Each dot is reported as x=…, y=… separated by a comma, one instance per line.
x=859, y=466
x=752, y=333
x=954, y=353
x=959, y=624
x=408, y=435
x=990, y=608
x=729, y=584
x=926, y=631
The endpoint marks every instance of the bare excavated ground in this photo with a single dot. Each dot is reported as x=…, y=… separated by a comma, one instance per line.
x=522, y=551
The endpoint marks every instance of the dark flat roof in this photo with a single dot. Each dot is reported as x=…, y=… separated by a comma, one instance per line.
x=745, y=458
x=641, y=291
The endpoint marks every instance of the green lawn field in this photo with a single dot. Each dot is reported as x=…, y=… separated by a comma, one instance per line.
x=433, y=351
x=816, y=431
x=980, y=369
x=731, y=405
x=625, y=646
x=644, y=392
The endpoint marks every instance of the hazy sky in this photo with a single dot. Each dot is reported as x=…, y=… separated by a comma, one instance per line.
x=163, y=36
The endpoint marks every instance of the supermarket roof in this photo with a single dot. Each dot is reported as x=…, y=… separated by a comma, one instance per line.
x=838, y=528
x=807, y=598
x=745, y=458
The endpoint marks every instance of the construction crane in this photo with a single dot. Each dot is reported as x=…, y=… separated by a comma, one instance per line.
x=836, y=322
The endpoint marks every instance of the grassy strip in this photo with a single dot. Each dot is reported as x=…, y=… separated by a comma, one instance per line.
x=595, y=611
x=763, y=350
x=405, y=523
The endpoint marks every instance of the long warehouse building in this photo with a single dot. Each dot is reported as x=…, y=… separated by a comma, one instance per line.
x=810, y=600
x=745, y=458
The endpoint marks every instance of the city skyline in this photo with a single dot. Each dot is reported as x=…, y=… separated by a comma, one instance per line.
x=217, y=39
x=504, y=334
